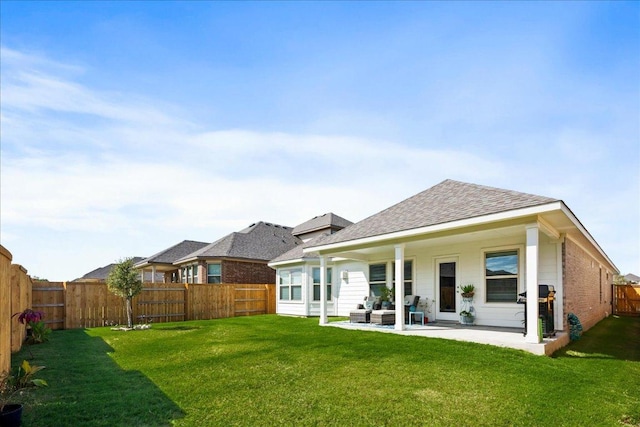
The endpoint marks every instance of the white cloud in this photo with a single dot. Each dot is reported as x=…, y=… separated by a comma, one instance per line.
x=119, y=175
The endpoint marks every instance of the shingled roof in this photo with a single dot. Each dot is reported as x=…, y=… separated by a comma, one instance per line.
x=445, y=202
x=259, y=241
x=321, y=222
x=103, y=272
x=170, y=255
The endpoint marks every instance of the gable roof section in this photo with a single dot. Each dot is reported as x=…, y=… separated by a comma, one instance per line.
x=445, y=202
x=170, y=255
x=297, y=253
x=320, y=222
x=260, y=241
x=103, y=272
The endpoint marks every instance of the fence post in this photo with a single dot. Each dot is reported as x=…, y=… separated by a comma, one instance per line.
x=5, y=309
x=187, y=306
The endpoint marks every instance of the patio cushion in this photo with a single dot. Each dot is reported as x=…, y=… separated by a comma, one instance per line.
x=384, y=312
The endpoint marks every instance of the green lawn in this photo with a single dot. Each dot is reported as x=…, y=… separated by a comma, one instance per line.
x=269, y=370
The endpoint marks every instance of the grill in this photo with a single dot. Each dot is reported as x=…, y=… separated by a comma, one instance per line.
x=545, y=309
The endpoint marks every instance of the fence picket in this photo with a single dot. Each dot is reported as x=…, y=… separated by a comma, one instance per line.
x=69, y=305
x=627, y=300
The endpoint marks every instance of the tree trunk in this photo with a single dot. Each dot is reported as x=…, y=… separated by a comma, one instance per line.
x=129, y=314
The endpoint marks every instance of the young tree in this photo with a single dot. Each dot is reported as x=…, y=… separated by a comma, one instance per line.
x=124, y=281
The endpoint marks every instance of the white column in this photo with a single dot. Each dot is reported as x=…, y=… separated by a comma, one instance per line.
x=323, y=290
x=531, y=279
x=399, y=297
x=558, y=308
x=153, y=274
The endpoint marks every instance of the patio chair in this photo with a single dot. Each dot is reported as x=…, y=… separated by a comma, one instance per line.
x=363, y=313
x=410, y=301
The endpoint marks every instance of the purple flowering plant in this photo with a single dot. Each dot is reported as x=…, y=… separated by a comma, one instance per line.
x=29, y=316
x=37, y=330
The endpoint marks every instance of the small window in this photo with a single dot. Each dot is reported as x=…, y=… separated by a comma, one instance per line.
x=377, y=278
x=316, y=284
x=408, y=278
x=290, y=285
x=187, y=274
x=214, y=273
x=501, y=276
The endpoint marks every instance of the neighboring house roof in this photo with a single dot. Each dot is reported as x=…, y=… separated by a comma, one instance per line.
x=329, y=222
x=170, y=255
x=445, y=202
x=296, y=253
x=321, y=222
x=260, y=241
x=103, y=272
x=632, y=278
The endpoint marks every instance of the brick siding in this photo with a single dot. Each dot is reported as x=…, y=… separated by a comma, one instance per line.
x=247, y=272
x=587, y=285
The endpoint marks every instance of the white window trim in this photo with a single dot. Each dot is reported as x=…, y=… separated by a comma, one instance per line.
x=290, y=285
x=390, y=277
x=387, y=273
x=521, y=287
x=413, y=274
x=314, y=284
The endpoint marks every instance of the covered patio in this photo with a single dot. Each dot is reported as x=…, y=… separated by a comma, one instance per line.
x=491, y=335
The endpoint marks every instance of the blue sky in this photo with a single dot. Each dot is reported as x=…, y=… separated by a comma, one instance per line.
x=130, y=126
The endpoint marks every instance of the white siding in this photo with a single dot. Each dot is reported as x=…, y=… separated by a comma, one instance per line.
x=347, y=294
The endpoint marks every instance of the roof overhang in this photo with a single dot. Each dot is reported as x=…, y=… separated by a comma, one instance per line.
x=288, y=262
x=553, y=218
x=216, y=258
x=160, y=266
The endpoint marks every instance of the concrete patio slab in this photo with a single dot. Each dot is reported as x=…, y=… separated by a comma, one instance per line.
x=501, y=337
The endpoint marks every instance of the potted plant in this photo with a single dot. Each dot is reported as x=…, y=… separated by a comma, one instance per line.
x=12, y=385
x=385, y=296
x=467, y=317
x=468, y=291
x=425, y=305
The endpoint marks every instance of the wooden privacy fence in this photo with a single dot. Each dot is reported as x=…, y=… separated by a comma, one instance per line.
x=69, y=305
x=15, y=296
x=627, y=299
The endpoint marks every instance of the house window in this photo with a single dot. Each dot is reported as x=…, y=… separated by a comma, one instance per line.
x=214, y=273
x=377, y=278
x=190, y=274
x=290, y=284
x=408, y=277
x=316, y=284
x=187, y=274
x=501, y=276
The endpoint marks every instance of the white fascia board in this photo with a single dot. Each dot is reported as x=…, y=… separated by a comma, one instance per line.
x=184, y=261
x=585, y=233
x=479, y=220
x=289, y=261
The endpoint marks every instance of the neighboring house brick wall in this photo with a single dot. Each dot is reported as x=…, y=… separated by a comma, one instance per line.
x=587, y=286
x=247, y=272
x=202, y=271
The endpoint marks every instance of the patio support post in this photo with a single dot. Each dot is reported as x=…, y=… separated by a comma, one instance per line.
x=531, y=279
x=153, y=274
x=323, y=290
x=399, y=296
